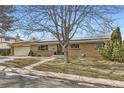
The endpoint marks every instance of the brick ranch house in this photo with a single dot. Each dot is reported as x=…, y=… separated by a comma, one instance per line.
x=77, y=47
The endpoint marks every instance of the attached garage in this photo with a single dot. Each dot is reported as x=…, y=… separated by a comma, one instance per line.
x=21, y=48
x=21, y=51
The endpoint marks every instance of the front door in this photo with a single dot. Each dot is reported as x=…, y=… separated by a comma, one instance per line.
x=59, y=49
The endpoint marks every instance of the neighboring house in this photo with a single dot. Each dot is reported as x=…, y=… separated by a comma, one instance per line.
x=5, y=42
x=78, y=47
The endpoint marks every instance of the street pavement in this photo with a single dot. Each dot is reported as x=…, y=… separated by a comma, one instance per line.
x=39, y=82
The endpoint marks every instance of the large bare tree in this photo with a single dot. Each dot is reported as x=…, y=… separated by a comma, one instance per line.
x=6, y=19
x=63, y=22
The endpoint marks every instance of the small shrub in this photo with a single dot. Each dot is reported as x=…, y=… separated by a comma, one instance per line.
x=30, y=53
x=121, y=58
x=4, y=52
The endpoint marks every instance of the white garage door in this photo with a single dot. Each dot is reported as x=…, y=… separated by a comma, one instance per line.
x=21, y=51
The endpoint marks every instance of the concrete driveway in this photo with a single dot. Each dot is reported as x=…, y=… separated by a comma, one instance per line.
x=7, y=58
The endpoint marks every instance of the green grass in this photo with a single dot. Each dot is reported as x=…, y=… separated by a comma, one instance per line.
x=98, y=68
x=20, y=63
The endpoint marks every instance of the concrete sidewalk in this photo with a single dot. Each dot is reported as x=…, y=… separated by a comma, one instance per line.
x=101, y=81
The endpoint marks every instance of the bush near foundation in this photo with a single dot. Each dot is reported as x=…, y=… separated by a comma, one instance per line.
x=113, y=49
x=106, y=50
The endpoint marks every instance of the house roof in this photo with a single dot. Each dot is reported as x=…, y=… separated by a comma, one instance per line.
x=3, y=36
x=37, y=42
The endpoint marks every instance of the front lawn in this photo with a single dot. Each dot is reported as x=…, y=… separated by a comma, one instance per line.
x=98, y=68
x=20, y=63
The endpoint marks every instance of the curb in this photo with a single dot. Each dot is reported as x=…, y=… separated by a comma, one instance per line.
x=108, y=82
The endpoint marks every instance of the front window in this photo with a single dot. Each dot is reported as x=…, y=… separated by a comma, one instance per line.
x=75, y=46
x=98, y=45
x=43, y=47
x=6, y=39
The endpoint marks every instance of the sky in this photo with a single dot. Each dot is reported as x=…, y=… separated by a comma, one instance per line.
x=118, y=22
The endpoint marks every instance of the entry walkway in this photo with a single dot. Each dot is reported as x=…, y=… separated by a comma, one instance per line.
x=45, y=59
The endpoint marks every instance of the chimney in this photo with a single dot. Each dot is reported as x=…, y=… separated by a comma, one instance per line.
x=17, y=38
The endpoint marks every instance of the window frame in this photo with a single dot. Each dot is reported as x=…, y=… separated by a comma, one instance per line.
x=98, y=45
x=75, y=46
x=41, y=47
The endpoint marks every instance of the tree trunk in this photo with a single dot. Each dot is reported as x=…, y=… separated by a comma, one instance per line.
x=66, y=57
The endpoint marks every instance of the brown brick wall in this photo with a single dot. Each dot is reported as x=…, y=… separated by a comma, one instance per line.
x=43, y=53
x=74, y=52
x=88, y=49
